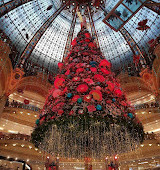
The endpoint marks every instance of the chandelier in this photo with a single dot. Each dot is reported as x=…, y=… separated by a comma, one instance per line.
x=86, y=113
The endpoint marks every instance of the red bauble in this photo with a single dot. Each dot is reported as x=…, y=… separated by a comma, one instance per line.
x=118, y=92
x=75, y=98
x=82, y=88
x=60, y=112
x=60, y=66
x=87, y=98
x=91, y=108
x=93, y=69
x=58, y=82
x=105, y=63
x=79, y=70
x=76, y=79
x=97, y=95
x=88, y=81
x=105, y=71
x=99, y=78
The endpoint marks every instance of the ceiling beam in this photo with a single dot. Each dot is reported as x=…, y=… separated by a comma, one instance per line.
x=37, y=36
x=130, y=41
x=70, y=34
x=153, y=6
x=9, y=6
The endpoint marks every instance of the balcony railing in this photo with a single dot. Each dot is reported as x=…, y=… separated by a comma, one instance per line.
x=145, y=106
x=16, y=104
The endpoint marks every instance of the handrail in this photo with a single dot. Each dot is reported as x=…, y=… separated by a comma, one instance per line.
x=16, y=104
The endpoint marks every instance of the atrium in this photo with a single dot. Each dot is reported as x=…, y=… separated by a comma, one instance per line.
x=80, y=84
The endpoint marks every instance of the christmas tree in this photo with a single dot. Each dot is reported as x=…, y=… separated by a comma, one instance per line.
x=86, y=112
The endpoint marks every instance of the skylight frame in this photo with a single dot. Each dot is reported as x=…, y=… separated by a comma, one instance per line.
x=112, y=13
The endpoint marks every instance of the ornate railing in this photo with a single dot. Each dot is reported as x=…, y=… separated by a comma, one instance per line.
x=16, y=104
x=15, y=137
x=145, y=106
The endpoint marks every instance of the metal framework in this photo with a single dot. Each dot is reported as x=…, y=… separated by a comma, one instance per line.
x=9, y=6
x=70, y=34
x=93, y=30
x=33, y=42
x=131, y=42
x=134, y=47
x=153, y=6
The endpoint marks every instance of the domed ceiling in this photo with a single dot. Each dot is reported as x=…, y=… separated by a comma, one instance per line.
x=21, y=24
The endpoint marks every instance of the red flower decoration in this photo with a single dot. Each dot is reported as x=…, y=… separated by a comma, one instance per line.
x=109, y=101
x=60, y=112
x=87, y=98
x=91, y=108
x=93, y=69
x=75, y=98
x=60, y=66
x=91, y=44
x=87, y=40
x=99, y=78
x=88, y=81
x=79, y=65
x=98, y=88
x=67, y=72
x=79, y=70
x=71, y=112
x=82, y=88
x=118, y=92
x=105, y=63
x=87, y=35
x=123, y=103
x=97, y=95
x=105, y=71
x=110, y=86
x=74, y=42
x=76, y=79
x=56, y=93
x=58, y=82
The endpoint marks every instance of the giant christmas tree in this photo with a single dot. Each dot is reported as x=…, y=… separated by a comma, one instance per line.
x=86, y=113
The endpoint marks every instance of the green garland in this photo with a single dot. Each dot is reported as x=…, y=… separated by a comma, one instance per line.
x=65, y=121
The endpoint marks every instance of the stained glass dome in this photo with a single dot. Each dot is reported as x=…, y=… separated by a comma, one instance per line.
x=21, y=24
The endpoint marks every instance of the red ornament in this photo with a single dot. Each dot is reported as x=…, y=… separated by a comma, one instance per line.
x=56, y=93
x=110, y=86
x=118, y=92
x=109, y=101
x=76, y=79
x=75, y=98
x=26, y=101
x=87, y=40
x=58, y=82
x=60, y=112
x=87, y=98
x=71, y=112
x=97, y=95
x=79, y=70
x=99, y=78
x=88, y=81
x=74, y=42
x=82, y=88
x=87, y=35
x=60, y=66
x=67, y=72
x=93, y=69
x=105, y=63
x=91, y=44
x=91, y=108
x=105, y=71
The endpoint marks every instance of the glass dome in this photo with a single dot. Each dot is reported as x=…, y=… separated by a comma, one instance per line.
x=21, y=24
